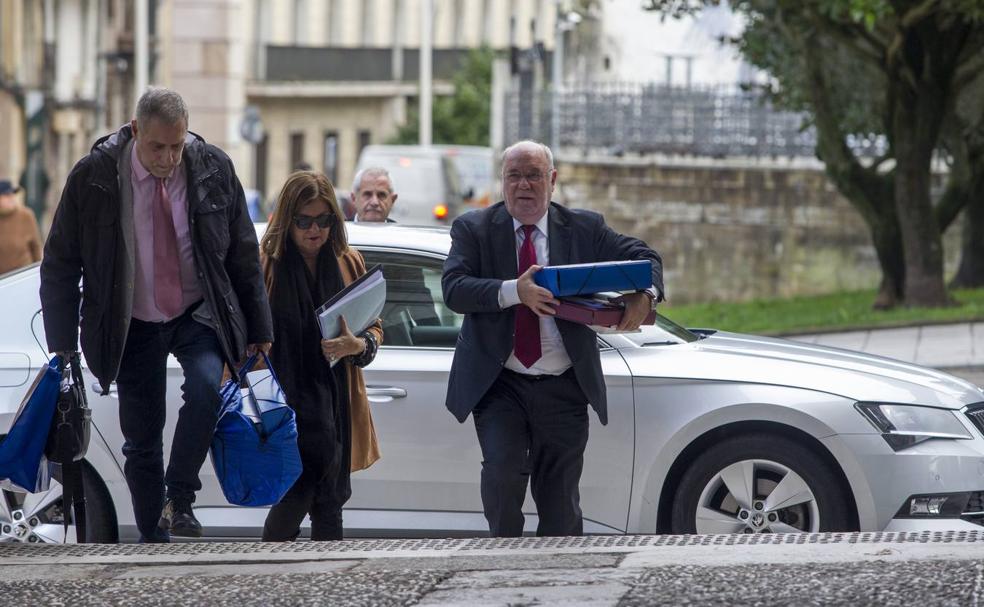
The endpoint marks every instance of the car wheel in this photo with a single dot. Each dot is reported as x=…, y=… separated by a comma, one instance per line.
x=759, y=484
x=39, y=517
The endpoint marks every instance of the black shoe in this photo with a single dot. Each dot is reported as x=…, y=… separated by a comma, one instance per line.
x=179, y=520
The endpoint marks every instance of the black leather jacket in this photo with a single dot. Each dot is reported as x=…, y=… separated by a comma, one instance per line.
x=86, y=242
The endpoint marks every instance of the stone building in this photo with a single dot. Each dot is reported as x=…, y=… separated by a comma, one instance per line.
x=311, y=81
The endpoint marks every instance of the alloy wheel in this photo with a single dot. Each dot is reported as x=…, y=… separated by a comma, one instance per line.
x=757, y=496
x=34, y=518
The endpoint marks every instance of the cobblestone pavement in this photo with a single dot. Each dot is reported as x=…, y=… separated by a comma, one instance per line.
x=942, y=568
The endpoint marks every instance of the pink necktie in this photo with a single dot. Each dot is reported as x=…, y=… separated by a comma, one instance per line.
x=527, y=345
x=167, y=270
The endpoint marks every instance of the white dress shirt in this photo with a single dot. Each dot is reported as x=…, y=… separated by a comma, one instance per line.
x=554, y=359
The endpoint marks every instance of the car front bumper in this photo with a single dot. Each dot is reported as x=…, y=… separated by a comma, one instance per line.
x=883, y=480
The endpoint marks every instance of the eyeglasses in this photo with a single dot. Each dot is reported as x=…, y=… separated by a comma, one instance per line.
x=303, y=222
x=533, y=177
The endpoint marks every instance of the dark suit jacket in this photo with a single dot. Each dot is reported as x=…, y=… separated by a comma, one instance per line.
x=483, y=254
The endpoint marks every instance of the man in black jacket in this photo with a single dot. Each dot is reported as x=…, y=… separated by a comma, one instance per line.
x=525, y=377
x=153, y=221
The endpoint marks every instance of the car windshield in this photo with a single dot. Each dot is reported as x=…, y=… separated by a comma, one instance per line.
x=663, y=333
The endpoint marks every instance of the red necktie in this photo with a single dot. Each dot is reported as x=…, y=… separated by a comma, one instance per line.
x=527, y=345
x=167, y=271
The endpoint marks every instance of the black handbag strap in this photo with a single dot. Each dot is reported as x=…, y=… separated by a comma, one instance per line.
x=73, y=490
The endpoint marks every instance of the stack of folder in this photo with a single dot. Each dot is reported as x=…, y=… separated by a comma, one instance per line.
x=589, y=293
x=360, y=304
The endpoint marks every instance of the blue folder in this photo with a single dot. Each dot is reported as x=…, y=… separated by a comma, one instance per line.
x=591, y=278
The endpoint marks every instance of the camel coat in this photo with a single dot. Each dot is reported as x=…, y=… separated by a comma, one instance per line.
x=365, y=447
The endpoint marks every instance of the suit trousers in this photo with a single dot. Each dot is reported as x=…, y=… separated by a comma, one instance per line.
x=532, y=429
x=142, y=384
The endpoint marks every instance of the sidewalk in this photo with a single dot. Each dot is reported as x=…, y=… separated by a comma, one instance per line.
x=941, y=568
x=956, y=348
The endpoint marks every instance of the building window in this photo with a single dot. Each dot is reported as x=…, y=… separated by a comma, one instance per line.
x=331, y=156
x=365, y=138
x=297, y=152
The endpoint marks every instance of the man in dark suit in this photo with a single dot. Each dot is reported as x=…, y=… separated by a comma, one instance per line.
x=525, y=377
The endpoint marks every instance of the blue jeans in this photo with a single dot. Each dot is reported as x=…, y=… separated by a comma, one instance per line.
x=142, y=383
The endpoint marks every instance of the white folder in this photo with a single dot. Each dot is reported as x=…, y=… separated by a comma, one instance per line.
x=360, y=304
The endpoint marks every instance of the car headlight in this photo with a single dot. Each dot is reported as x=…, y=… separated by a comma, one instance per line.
x=906, y=425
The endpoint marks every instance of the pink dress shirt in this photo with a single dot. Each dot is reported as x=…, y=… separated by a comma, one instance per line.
x=144, y=307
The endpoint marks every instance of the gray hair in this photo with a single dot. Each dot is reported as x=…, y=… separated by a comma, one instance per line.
x=162, y=104
x=526, y=143
x=371, y=172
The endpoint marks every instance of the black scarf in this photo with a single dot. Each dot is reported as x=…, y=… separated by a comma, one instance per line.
x=313, y=389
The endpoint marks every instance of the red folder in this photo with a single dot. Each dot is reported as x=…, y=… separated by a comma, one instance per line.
x=590, y=311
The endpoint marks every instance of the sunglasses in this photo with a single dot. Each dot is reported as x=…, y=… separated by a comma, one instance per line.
x=303, y=222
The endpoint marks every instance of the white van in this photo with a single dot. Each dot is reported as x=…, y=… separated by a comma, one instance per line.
x=425, y=179
x=475, y=165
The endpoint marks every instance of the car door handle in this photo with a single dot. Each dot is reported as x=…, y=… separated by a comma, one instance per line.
x=97, y=389
x=384, y=394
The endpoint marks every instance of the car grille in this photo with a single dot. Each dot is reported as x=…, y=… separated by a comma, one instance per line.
x=975, y=505
x=976, y=415
x=974, y=510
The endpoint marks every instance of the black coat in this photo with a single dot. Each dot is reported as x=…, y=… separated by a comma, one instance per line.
x=86, y=242
x=483, y=254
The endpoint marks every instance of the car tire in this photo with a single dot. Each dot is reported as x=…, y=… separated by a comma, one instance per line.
x=734, y=487
x=35, y=518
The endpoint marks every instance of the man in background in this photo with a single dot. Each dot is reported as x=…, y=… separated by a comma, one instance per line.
x=373, y=195
x=20, y=242
x=410, y=303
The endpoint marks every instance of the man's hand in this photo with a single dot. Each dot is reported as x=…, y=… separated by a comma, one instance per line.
x=535, y=297
x=252, y=349
x=637, y=307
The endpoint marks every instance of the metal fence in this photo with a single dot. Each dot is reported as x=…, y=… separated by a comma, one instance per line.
x=646, y=119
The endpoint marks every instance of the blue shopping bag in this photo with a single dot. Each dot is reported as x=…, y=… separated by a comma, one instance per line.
x=254, y=449
x=23, y=466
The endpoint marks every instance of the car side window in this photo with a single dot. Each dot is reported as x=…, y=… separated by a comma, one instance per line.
x=414, y=314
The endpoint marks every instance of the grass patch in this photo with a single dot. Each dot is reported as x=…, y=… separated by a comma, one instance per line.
x=834, y=312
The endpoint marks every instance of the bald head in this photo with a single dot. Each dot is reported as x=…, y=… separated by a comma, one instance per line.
x=530, y=146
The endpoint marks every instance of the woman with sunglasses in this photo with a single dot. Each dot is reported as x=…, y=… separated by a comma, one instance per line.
x=306, y=260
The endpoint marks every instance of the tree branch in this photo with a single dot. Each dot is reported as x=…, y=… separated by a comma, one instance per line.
x=918, y=13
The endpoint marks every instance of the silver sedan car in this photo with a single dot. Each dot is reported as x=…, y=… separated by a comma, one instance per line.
x=709, y=432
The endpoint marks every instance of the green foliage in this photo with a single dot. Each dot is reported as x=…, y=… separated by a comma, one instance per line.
x=837, y=311
x=463, y=118
x=774, y=45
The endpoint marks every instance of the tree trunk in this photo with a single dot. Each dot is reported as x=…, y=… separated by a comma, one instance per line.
x=868, y=191
x=970, y=274
x=887, y=239
x=917, y=110
x=920, y=232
